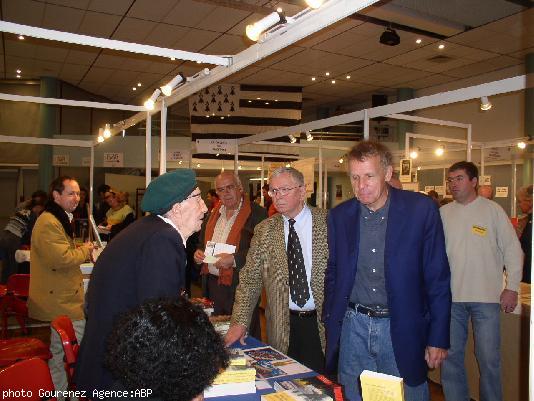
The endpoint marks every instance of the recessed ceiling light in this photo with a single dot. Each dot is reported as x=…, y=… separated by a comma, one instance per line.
x=199, y=62
x=441, y=46
x=266, y=103
x=222, y=117
x=21, y=37
x=327, y=74
x=333, y=81
x=19, y=71
x=198, y=164
x=250, y=101
x=521, y=145
x=173, y=58
x=18, y=76
x=258, y=98
x=313, y=78
x=139, y=84
x=134, y=88
x=348, y=76
x=279, y=10
x=258, y=168
x=207, y=116
x=276, y=100
x=418, y=41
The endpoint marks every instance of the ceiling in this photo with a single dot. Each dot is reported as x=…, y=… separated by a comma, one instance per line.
x=479, y=36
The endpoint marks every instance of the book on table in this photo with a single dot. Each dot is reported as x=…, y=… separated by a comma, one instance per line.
x=381, y=387
x=317, y=388
x=238, y=378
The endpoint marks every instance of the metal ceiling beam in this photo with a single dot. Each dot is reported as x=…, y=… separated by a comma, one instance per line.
x=66, y=37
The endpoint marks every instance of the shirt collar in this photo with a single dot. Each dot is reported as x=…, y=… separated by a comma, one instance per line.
x=304, y=212
x=168, y=221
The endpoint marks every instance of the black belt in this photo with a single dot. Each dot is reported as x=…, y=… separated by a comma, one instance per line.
x=369, y=311
x=303, y=313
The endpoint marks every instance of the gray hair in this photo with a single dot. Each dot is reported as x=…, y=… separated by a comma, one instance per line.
x=293, y=172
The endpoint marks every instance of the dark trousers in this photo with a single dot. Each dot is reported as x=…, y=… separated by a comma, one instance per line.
x=304, y=342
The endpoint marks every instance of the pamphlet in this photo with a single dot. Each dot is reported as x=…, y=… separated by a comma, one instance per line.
x=216, y=248
x=270, y=363
x=381, y=387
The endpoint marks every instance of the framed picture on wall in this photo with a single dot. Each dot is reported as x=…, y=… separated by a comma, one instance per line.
x=405, y=170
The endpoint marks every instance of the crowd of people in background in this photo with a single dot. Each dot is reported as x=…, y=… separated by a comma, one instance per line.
x=389, y=270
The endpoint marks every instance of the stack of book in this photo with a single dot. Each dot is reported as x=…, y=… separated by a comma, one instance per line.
x=379, y=386
x=237, y=379
x=318, y=388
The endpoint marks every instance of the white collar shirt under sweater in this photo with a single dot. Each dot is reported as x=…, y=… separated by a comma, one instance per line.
x=480, y=241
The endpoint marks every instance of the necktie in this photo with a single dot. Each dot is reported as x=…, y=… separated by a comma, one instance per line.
x=298, y=284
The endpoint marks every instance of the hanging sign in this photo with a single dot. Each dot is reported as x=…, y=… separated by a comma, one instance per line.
x=60, y=160
x=501, y=192
x=214, y=146
x=484, y=180
x=113, y=159
x=176, y=155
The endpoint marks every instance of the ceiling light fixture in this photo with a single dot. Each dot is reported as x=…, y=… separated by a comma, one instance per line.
x=167, y=89
x=327, y=73
x=414, y=154
x=173, y=58
x=292, y=139
x=348, y=76
x=441, y=46
x=313, y=78
x=333, y=81
x=309, y=136
x=254, y=31
x=123, y=133
x=100, y=138
x=485, y=104
x=151, y=101
x=418, y=41
x=341, y=160
x=18, y=75
x=314, y=3
x=389, y=37
x=439, y=151
x=107, y=131
x=288, y=165
x=139, y=84
x=19, y=71
x=134, y=88
x=198, y=164
x=521, y=145
x=21, y=37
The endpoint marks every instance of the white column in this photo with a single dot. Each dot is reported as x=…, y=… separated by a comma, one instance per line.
x=482, y=164
x=91, y=178
x=319, y=194
x=365, y=125
x=262, y=179
x=325, y=185
x=513, y=211
x=148, y=149
x=407, y=146
x=469, y=143
x=163, y=139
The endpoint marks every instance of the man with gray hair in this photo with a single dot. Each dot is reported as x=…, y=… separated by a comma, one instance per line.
x=288, y=257
x=232, y=222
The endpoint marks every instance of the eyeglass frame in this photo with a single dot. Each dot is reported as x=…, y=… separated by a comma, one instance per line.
x=281, y=191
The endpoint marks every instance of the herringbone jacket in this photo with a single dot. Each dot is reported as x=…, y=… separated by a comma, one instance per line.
x=266, y=266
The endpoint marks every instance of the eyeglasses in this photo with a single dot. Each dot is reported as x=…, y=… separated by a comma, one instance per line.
x=458, y=178
x=227, y=188
x=281, y=191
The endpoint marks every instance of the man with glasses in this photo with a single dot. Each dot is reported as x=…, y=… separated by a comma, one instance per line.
x=232, y=222
x=480, y=240
x=146, y=260
x=387, y=286
x=288, y=257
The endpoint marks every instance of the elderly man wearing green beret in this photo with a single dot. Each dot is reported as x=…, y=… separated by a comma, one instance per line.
x=146, y=260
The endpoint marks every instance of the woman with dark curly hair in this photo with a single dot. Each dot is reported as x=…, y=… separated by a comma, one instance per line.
x=166, y=349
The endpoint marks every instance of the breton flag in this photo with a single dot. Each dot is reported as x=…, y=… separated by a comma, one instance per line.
x=233, y=111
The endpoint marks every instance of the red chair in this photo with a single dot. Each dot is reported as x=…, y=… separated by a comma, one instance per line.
x=27, y=380
x=63, y=326
x=18, y=349
x=13, y=303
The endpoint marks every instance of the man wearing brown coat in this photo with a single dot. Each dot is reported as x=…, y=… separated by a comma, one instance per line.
x=56, y=285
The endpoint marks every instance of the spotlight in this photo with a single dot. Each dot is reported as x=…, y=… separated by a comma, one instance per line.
x=107, y=131
x=19, y=71
x=254, y=31
x=123, y=133
x=149, y=104
x=389, y=37
x=309, y=136
x=441, y=46
x=313, y=78
x=333, y=81
x=139, y=84
x=288, y=165
x=292, y=139
x=341, y=160
x=521, y=145
x=198, y=164
x=100, y=139
x=167, y=89
x=418, y=41
x=258, y=168
x=240, y=167
x=314, y=3
x=348, y=76
x=21, y=37
x=413, y=154
x=485, y=104
x=439, y=151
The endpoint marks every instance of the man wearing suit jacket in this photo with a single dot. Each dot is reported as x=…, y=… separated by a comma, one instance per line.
x=387, y=286
x=146, y=260
x=293, y=279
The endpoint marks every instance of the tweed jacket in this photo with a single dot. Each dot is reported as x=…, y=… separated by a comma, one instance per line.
x=56, y=285
x=266, y=266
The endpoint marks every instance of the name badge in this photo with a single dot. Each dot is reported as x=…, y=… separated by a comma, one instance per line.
x=479, y=231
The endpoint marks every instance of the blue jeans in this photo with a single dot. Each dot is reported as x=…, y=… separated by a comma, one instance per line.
x=485, y=318
x=366, y=344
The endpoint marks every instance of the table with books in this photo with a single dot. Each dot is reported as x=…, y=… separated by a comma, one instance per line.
x=259, y=372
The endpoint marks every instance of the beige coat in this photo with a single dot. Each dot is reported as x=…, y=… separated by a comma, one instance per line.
x=266, y=265
x=56, y=285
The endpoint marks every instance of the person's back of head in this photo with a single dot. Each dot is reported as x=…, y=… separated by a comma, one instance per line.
x=167, y=345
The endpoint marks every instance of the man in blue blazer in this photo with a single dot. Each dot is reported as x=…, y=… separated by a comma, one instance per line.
x=387, y=285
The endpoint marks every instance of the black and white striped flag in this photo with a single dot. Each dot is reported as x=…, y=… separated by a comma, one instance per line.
x=234, y=111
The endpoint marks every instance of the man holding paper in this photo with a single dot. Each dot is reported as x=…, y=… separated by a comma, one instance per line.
x=224, y=241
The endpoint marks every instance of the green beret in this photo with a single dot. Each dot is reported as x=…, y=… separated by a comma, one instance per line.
x=168, y=189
